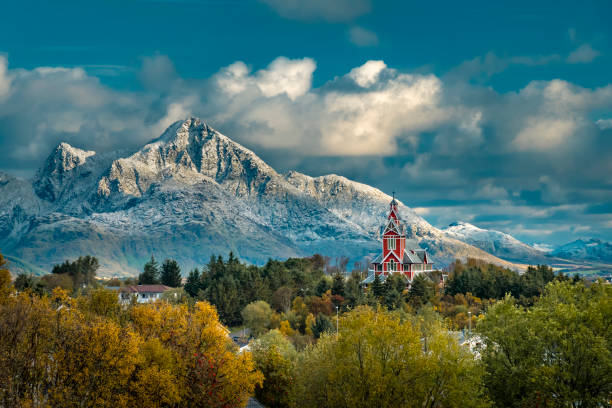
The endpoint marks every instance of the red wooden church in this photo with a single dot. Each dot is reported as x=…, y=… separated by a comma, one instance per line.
x=399, y=255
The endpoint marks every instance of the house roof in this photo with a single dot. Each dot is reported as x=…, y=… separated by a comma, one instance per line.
x=145, y=289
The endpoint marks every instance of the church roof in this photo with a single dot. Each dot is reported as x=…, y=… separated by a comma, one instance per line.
x=411, y=258
x=370, y=278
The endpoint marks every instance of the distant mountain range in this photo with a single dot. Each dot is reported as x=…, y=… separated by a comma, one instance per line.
x=494, y=242
x=188, y=194
x=194, y=192
x=590, y=250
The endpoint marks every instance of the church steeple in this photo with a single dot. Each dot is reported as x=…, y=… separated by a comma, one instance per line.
x=393, y=212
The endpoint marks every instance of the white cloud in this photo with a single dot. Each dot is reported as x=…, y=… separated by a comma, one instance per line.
x=368, y=73
x=422, y=211
x=362, y=37
x=583, y=54
x=544, y=134
x=335, y=10
x=604, y=123
x=362, y=123
x=282, y=76
x=157, y=72
x=491, y=192
x=5, y=81
x=292, y=77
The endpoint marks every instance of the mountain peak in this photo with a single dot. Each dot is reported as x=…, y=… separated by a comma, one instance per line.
x=189, y=150
x=59, y=165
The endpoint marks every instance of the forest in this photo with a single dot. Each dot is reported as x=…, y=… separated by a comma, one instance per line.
x=476, y=335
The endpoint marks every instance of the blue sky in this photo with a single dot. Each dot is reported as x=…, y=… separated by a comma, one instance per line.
x=497, y=113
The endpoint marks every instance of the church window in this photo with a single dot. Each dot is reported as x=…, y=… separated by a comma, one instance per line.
x=392, y=265
x=391, y=243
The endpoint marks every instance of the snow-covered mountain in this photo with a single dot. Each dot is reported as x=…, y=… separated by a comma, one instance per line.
x=494, y=242
x=589, y=250
x=191, y=193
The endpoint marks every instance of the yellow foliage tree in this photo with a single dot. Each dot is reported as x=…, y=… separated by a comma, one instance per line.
x=379, y=359
x=60, y=352
x=286, y=329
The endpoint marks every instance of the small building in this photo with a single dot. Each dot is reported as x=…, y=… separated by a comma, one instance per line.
x=142, y=293
x=399, y=255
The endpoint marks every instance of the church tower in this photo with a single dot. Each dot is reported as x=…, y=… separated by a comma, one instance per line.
x=399, y=255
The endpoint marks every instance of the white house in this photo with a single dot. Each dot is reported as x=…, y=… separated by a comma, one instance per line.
x=142, y=293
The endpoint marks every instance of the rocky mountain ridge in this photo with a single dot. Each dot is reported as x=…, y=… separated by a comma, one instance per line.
x=496, y=243
x=191, y=193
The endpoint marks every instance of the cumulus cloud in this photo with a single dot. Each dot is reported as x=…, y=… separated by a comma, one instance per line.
x=544, y=134
x=583, y=54
x=336, y=10
x=291, y=77
x=368, y=73
x=5, y=81
x=157, y=72
x=443, y=137
x=362, y=37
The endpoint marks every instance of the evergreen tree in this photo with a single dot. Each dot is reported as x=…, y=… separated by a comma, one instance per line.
x=322, y=325
x=377, y=288
x=193, y=284
x=338, y=285
x=421, y=291
x=82, y=271
x=24, y=282
x=322, y=287
x=171, y=273
x=354, y=291
x=150, y=274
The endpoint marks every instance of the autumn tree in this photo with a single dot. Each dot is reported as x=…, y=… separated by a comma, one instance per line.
x=6, y=286
x=256, y=316
x=377, y=357
x=274, y=356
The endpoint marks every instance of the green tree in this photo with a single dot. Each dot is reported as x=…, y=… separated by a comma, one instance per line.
x=377, y=289
x=338, y=285
x=82, y=271
x=274, y=356
x=322, y=325
x=354, y=292
x=256, y=316
x=422, y=291
x=150, y=274
x=24, y=281
x=377, y=357
x=193, y=283
x=323, y=286
x=171, y=273
x=557, y=353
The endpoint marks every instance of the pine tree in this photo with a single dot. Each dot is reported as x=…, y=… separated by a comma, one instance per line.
x=150, y=274
x=193, y=284
x=377, y=287
x=171, y=273
x=338, y=285
x=421, y=291
x=322, y=287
